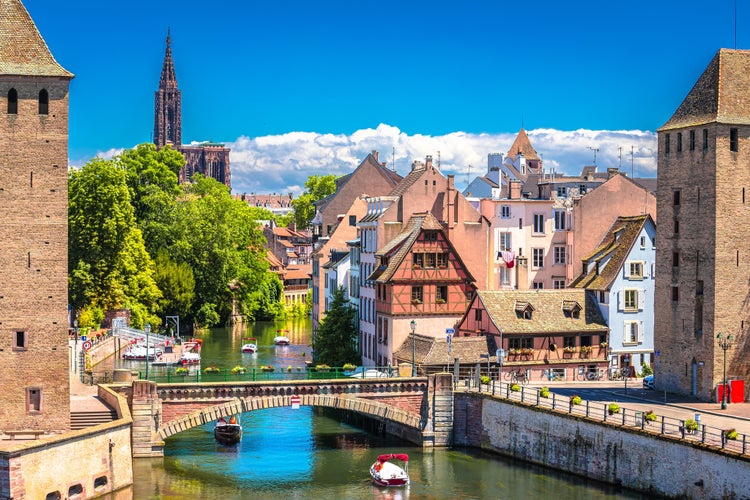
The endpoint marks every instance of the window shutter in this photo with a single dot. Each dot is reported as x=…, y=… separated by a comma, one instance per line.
x=645, y=267
x=640, y=332
x=625, y=332
x=653, y=270
x=621, y=300
x=641, y=299
x=626, y=269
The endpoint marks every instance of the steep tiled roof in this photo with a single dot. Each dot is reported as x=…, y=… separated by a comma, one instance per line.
x=522, y=144
x=434, y=351
x=615, y=246
x=22, y=48
x=407, y=181
x=719, y=95
x=548, y=314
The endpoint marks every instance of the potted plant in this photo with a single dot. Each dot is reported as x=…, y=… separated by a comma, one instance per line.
x=585, y=349
x=322, y=368
x=349, y=367
x=575, y=400
x=603, y=345
x=484, y=379
x=267, y=368
x=527, y=351
x=569, y=349
x=613, y=408
x=691, y=425
x=515, y=387
x=181, y=371
x=211, y=369
x=649, y=416
x=440, y=301
x=239, y=369
x=514, y=351
x=544, y=392
x=730, y=434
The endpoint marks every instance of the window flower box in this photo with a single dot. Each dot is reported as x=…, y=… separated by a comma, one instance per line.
x=569, y=349
x=527, y=351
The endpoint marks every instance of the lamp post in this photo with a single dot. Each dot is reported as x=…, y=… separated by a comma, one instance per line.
x=725, y=343
x=147, y=329
x=626, y=370
x=413, y=325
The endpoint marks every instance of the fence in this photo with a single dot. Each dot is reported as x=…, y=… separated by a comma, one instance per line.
x=688, y=430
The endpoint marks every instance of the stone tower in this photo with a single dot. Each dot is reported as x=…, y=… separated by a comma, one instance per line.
x=34, y=373
x=703, y=256
x=168, y=105
x=210, y=159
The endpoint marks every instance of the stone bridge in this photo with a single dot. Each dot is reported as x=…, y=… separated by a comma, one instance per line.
x=417, y=409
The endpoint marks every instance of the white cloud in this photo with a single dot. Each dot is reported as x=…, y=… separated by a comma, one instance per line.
x=282, y=163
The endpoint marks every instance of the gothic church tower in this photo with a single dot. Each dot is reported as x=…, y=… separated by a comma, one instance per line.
x=168, y=105
x=33, y=228
x=702, y=253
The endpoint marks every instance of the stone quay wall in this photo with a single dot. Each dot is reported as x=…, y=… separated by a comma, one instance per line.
x=575, y=444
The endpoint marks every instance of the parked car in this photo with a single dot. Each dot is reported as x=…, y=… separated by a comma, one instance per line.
x=648, y=382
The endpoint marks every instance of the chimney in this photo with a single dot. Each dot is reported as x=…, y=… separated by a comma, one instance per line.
x=515, y=190
x=375, y=155
x=611, y=172
x=428, y=161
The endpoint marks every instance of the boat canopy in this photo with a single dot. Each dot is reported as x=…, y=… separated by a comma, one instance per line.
x=398, y=456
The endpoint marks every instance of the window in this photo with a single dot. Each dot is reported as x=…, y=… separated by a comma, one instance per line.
x=538, y=223
x=675, y=293
x=352, y=220
x=430, y=236
x=559, y=257
x=676, y=198
x=558, y=283
x=560, y=216
x=675, y=259
x=586, y=340
x=477, y=315
x=417, y=294
x=12, y=102
x=43, y=102
x=520, y=223
x=676, y=226
x=537, y=258
x=430, y=260
x=20, y=340
x=505, y=211
x=582, y=189
x=569, y=341
x=505, y=276
x=643, y=242
x=602, y=297
x=636, y=270
x=630, y=299
x=33, y=400
x=691, y=141
x=417, y=260
x=561, y=191
x=631, y=332
x=442, y=260
x=666, y=144
x=505, y=242
x=705, y=139
x=441, y=294
x=734, y=140
x=679, y=142
x=537, y=285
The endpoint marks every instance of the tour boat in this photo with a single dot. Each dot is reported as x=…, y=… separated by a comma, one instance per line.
x=386, y=473
x=139, y=352
x=227, y=433
x=281, y=338
x=189, y=358
x=251, y=346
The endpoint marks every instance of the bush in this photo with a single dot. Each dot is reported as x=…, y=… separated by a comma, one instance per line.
x=322, y=368
x=730, y=434
x=515, y=387
x=544, y=392
x=649, y=416
x=181, y=371
x=613, y=408
x=575, y=400
x=211, y=369
x=239, y=369
x=267, y=368
x=691, y=425
x=484, y=379
x=349, y=367
x=646, y=369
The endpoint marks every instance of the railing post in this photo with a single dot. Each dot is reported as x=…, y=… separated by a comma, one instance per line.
x=537, y=396
x=703, y=433
x=606, y=411
x=663, y=425
x=553, y=400
x=624, y=411
x=744, y=440
x=587, y=407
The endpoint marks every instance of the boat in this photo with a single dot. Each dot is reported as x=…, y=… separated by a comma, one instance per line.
x=386, y=473
x=281, y=338
x=227, y=433
x=139, y=352
x=189, y=358
x=251, y=345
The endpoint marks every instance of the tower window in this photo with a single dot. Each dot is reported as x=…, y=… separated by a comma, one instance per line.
x=20, y=340
x=734, y=140
x=34, y=399
x=12, y=102
x=666, y=144
x=675, y=293
x=705, y=139
x=679, y=141
x=43, y=102
x=691, y=143
x=676, y=199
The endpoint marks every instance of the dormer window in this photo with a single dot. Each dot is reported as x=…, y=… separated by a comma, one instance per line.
x=571, y=309
x=524, y=310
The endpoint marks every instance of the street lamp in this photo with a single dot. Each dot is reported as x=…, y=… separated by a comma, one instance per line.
x=725, y=343
x=147, y=329
x=413, y=325
x=626, y=370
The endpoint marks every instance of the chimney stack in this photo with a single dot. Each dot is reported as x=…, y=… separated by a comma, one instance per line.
x=428, y=161
x=375, y=155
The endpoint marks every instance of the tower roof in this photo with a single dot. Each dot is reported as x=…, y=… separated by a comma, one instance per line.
x=23, y=51
x=523, y=145
x=719, y=95
x=168, y=78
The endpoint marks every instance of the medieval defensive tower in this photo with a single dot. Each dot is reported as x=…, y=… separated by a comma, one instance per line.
x=703, y=257
x=33, y=228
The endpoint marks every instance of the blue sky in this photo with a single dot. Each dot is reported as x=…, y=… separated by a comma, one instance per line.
x=299, y=88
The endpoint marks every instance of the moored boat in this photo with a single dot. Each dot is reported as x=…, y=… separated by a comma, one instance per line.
x=189, y=358
x=281, y=338
x=227, y=433
x=250, y=345
x=139, y=352
x=386, y=473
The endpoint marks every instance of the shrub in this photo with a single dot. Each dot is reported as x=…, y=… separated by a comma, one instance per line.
x=289, y=368
x=349, y=367
x=322, y=368
x=613, y=408
x=575, y=400
x=646, y=369
x=181, y=371
x=730, y=434
x=267, y=368
x=649, y=416
x=544, y=392
x=484, y=379
x=211, y=369
x=515, y=387
x=691, y=425
x=239, y=369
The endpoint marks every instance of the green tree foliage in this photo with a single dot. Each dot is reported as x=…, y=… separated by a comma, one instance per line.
x=317, y=187
x=177, y=283
x=109, y=265
x=335, y=344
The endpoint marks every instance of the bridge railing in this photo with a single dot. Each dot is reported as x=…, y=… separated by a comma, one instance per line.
x=648, y=421
x=265, y=373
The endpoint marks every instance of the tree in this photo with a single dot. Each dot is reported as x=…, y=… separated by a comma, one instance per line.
x=177, y=283
x=109, y=265
x=336, y=341
x=317, y=187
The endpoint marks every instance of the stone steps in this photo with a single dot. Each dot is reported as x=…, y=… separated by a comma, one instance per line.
x=84, y=419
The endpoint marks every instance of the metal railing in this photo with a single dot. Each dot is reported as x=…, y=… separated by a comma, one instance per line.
x=265, y=373
x=721, y=439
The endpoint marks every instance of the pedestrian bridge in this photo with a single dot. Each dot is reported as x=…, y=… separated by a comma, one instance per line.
x=417, y=409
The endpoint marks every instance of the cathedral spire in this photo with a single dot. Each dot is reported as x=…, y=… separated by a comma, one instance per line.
x=168, y=78
x=167, y=104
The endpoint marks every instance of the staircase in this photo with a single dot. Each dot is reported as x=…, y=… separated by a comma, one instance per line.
x=82, y=419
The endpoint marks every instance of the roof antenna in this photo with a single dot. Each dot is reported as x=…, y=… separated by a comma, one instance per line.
x=595, y=151
x=619, y=155
x=393, y=159
x=632, y=173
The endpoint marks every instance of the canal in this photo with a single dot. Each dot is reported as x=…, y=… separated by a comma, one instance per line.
x=311, y=453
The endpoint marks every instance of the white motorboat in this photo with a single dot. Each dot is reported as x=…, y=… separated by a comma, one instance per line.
x=386, y=473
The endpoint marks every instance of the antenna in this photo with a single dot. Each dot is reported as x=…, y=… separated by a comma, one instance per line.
x=619, y=155
x=438, y=160
x=632, y=174
x=393, y=159
x=468, y=175
x=595, y=150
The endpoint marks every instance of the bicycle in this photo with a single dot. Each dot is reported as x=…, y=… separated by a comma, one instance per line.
x=517, y=377
x=615, y=374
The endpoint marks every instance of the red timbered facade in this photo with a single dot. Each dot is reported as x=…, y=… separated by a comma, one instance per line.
x=419, y=276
